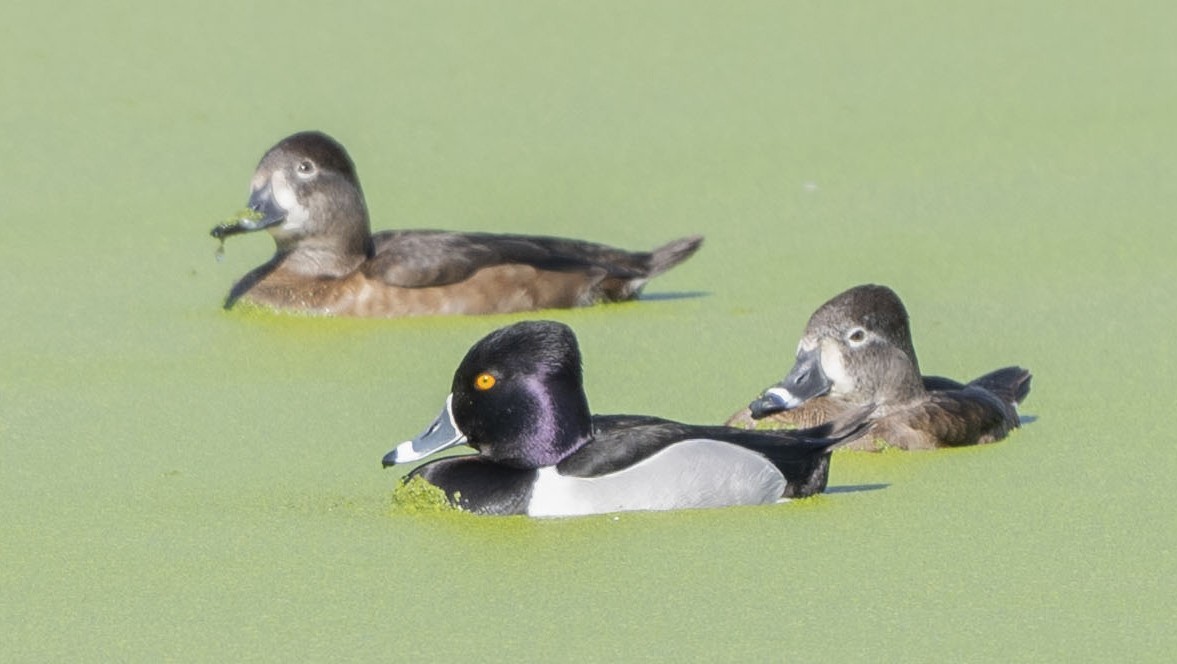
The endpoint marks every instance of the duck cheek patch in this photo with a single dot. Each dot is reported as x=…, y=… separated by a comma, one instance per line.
x=833, y=366
x=484, y=382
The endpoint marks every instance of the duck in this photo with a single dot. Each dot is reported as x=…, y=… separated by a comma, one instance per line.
x=857, y=348
x=306, y=194
x=518, y=400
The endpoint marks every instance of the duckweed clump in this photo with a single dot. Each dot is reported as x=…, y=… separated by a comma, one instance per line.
x=232, y=226
x=416, y=496
x=244, y=214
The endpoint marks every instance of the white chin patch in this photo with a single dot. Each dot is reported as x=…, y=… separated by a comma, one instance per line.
x=296, y=214
x=784, y=396
x=835, y=369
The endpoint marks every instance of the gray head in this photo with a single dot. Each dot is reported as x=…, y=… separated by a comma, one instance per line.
x=856, y=348
x=306, y=194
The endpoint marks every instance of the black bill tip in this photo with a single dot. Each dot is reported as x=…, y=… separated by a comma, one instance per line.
x=222, y=231
x=769, y=403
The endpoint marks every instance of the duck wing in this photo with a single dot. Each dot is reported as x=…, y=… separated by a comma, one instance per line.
x=940, y=383
x=973, y=415
x=984, y=411
x=417, y=259
x=620, y=441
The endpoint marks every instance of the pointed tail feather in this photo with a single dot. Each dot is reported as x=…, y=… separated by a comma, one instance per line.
x=842, y=429
x=656, y=262
x=672, y=253
x=1010, y=384
x=808, y=474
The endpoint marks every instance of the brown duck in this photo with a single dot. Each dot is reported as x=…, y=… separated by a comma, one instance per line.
x=306, y=194
x=857, y=350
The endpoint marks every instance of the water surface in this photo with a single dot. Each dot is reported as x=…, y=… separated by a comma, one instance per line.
x=184, y=483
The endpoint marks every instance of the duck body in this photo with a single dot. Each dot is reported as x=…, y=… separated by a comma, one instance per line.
x=426, y=272
x=857, y=349
x=541, y=454
x=305, y=192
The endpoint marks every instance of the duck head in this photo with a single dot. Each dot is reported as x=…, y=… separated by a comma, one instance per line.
x=856, y=348
x=306, y=194
x=517, y=398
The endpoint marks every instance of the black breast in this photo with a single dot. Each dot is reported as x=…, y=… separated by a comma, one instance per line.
x=480, y=486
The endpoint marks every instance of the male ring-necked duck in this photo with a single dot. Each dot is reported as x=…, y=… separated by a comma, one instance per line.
x=306, y=194
x=518, y=399
x=857, y=349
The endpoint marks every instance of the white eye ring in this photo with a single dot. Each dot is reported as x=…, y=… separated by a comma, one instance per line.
x=306, y=168
x=856, y=336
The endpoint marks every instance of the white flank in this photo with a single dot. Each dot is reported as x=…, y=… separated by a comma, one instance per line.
x=689, y=474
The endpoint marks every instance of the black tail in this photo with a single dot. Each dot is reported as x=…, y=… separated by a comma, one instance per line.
x=1010, y=384
x=803, y=455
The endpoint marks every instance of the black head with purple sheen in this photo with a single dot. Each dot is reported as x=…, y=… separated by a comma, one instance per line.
x=519, y=398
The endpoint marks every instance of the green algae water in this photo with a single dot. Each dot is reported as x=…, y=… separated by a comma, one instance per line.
x=185, y=483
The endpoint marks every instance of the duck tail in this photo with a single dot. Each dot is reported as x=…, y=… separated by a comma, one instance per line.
x=672, y=253
x=649, y=265
x=1010, y=384
x=809, y=474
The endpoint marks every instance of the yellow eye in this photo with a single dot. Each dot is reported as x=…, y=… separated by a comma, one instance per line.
x=484, y=382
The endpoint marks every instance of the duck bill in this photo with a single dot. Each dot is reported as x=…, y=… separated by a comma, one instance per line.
x=266, y=213
x=440, y=435
x=805, y=381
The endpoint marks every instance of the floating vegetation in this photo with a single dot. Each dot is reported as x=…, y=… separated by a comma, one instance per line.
x=416, y=496
x=233, y=226
x=244, y=214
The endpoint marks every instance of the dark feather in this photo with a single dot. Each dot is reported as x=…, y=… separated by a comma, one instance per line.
x=421, y=258
x=479, y=485
x=1011, y=384
x=619, y=441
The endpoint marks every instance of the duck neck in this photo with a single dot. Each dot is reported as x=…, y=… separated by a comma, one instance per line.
x=902, y=381
x=322, y=261
x=561, y=426
x=333, y=240
x=328, y=255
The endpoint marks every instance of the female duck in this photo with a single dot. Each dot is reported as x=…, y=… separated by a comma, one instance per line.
x=518, y=400
x=857, y=349
x=306, y=194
